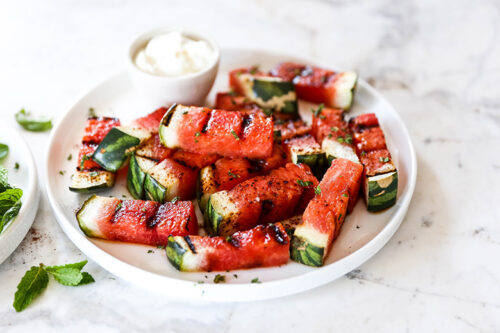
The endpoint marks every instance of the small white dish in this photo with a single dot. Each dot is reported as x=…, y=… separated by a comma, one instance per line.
x=25, y=178
x=190, y=89
x=363, y=234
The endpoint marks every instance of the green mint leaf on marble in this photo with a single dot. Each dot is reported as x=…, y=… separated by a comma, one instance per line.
x=26, y=120
x=66, y=276
x=70, y=274
x=86, y=279
x=32, y=284
x=78, y=265
x=4, y=151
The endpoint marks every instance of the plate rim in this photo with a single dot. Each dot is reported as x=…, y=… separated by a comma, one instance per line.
x=177, y=288
x=16, y=230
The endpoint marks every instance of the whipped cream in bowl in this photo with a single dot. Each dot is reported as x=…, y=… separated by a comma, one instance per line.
x=173, y=65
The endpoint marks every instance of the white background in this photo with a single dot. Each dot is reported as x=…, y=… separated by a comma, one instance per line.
x=437, y=62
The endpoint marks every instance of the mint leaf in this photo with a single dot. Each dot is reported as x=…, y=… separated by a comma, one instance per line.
x=77, y=265
x=4, y=151
x=69, y=274
x=10, y=214
x=87, y=278
x=66, y=276
x=8, y=198
x=32, y=284
x=29, y=123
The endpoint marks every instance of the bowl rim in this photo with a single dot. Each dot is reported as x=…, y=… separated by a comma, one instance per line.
x=141, y=39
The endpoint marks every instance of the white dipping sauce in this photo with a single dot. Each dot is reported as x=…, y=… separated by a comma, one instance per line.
x=173, y=54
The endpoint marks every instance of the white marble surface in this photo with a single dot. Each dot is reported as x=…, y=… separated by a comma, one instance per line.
x=437, y=62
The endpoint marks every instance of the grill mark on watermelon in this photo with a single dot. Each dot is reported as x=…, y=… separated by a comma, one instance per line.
x=168, y=115
x=280, y=237
x=247, y=120
x=267, y=206
x=190, y=244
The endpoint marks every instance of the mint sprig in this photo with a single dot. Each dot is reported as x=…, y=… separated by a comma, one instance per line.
x=35, y=281
x=26, y=120
x=32, y=284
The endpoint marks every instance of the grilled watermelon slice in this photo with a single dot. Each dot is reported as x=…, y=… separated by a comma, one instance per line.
x=228, y=172
x=282, y=193
x=136, y=176
x=114, y=149
x=329, y=128
x=136, y=221
x=262, y=246
x=91, y=181
x=227, y=133
x=89, y=176
x=269, y=93
x=318, y=85
x=306, y=150
x=380, y=175
x=169, y=179
x=324, y=215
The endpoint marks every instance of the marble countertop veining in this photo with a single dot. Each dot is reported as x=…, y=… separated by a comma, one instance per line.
x=437, y=62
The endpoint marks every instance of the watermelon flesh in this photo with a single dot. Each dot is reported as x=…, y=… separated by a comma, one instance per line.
x=227, y=133
x=137, y=221
x=151, y=122
x=363, y=121
x=97, y=128
x=370, y=139
x=262, y=246
x=291, y=128
x=233, y=102
x=194, y=160
x=329, y=123
x=153, y=149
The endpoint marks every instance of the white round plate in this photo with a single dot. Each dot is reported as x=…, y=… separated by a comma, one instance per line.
x=362, y=235
x=24, y=178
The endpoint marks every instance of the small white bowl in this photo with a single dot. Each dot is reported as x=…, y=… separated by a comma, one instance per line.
x=190, y=89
